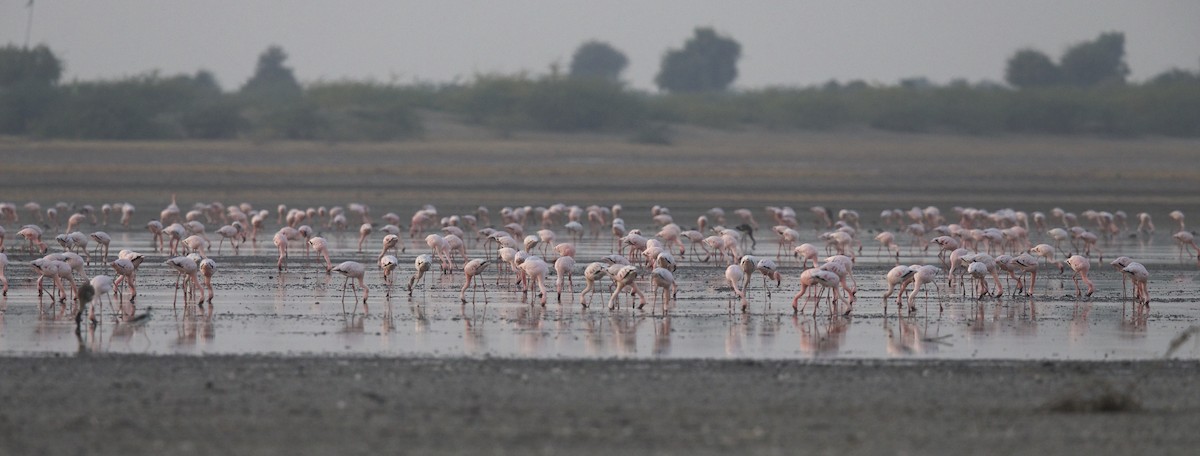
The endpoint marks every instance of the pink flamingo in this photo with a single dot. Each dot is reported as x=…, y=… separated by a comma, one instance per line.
x=1140, y=278
x=626, y=277
x=1081, y=266
x=388, y=264
x=734, y=274
x=421, y=264
x=441, y=248
x=1119, y=264
x=925, y=275
x=352, y=270
x=364, y=230
x=593, y=273
x=535, y=274
x=1187, y=242
x=281, y=244
x=187, y=270
x=808, y=252
x=564, y=268
x=321, y=247
x=33, y=235
x=1178, y=217
x=3, y=277
x=102, y=240
x=664, y=279
x=902, y=276
x=470, y=270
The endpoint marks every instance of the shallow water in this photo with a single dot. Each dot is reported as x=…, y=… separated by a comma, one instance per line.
x=258, y=310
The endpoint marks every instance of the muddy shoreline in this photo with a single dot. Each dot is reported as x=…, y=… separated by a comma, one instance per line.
x=322, y=405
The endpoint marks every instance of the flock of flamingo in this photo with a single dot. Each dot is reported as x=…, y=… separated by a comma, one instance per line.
x=971, y=245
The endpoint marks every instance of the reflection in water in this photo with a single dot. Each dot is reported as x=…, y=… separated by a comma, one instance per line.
x=1133, y=322
x=624, y=326
x=816, y=341
x=662, y=336
x=1079, y=322
x=194, y=327
x=912, y=336
x=474, y=329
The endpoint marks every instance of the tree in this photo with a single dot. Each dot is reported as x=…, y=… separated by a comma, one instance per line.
x=272, y=81
x=28, y=79
x=1031, y=68
x=707, y=62
x=595, y=59
x=19, y=65
x=1093, y=62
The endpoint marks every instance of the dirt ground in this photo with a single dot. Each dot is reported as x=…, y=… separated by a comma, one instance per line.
x=274, y=405
x=867, y=171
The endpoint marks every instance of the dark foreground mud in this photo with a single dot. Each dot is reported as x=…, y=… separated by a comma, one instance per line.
x=290, y=405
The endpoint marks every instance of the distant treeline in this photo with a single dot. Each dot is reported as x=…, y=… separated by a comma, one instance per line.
x=272, y=105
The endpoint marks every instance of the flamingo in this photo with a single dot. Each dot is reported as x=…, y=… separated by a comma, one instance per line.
x=127, y=211
x=186, y=266
x=769, y=269
x=455, y=247
x=56, y=270
x=387, y=264
x=1119, y=264
x=1177, y=216
x=3, y=277
x=887, y=240
x=208, y=268
x=829, y=281
x=1081, y=266
x=535, y=273
x=734, y=274
x=103, y=285
x=1145, y=223
x=1187, y=242
x=1025, y=263
x=1047, y=252
x=991, y=267
x=438, y=245
x=127, y=272
x=565, y=249
x=574, y=230
x=195, y=243
x=978, y=272
x=564, y=268
x=808, y=252
x=230, y=233
x=281, y=244
x=352, y=270
x=389, y=244
x=33, y=235
x=321, y=247
x=364, y=230
x=902, y=276
x=925, y=274
x=102, y=240
x=664, y=279
x=946, y=244
x=470, y=270
x=176, y=232
x=422, y=264
x=594, y=272
x=1140, y=278
x=625, y=277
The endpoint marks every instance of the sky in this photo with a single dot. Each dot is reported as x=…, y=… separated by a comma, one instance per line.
x=784, y=43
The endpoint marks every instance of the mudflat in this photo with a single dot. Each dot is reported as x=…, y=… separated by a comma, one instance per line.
x=326, y=405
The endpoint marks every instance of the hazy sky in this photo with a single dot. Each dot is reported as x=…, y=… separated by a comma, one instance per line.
x=783, y=42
